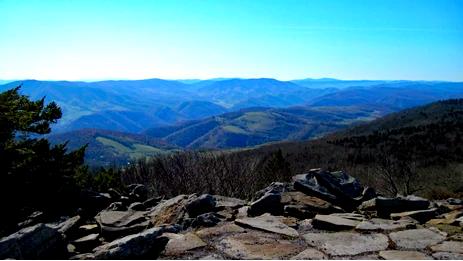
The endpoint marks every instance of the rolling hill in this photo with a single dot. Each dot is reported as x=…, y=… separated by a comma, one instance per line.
x=254, y=126
x=110, y=147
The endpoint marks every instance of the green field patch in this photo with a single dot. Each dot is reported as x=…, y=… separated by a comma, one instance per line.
x=234, y=129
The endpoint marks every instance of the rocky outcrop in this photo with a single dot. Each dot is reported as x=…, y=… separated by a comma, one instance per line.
x=141, y=245
x=320, y=215
x=36, y=242
x=115, y=224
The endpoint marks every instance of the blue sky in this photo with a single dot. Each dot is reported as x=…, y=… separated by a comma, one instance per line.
x=173, y=39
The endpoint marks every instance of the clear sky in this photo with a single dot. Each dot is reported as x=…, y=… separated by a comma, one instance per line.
x=173, y=39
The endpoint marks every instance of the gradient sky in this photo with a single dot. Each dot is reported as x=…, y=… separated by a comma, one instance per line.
x=173, y=39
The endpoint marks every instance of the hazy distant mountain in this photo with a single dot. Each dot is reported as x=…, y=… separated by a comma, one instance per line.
x=328, y=83
x=396, y=96
x=243, y=93
x=132, y=106
x=256, y=126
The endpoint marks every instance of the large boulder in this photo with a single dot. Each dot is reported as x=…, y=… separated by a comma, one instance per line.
x=338, y=188
x=36, y=242
x=116, y=224
x=386, y=206
x=206, y=220
x=200, y=205
x=94, y=202
x=299, y=205
x=268, y=203
x=420, y=215
x=171, y=211
x=309, y=184
x=138, y=192
x=145, y=245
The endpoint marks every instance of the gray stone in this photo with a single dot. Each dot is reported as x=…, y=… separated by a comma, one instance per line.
x=268, y=203
x=180, y=243
x=421, y=216
x=268, y=223
x=308, y=206
x=227, y=202
x=455, y=201
x=378, y=224
x=137, y=206
x=147, y=244
x=171, y=211
x=332, y=222
x=138, y=192
x=151, y=202
x=120, y=223
x=340, y=184
x=32, y=219
x=310, y=254
x=221, y=230
x=200, y=205
x=449, y=246
x=403, y=255
x=117, y=206
x=416, y=238
x=86, y=243
x=386, y=206
x=36, y=242
x=447, y=256
x=347, y=243
x=258, y=245
x=206, y=220
x=88, y=229
x=273, y=188
x=309, y=185
x=69, y=226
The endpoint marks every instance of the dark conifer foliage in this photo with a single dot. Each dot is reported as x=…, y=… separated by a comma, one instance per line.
x=34, y=175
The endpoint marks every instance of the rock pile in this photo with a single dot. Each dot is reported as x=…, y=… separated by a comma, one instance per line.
x=320, y=215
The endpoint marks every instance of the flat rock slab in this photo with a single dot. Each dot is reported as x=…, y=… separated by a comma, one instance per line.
x=449, y=246
x=227, y=202
x=217, y=231
x=421, y=215
x=180, y=243
x=333, y=222
x=120, y=218
x=416, y=238
x=379, y=224
x=386, y=206
x=310, y=254
x=309, y=202
x=347, y=243
x=447, y=256
x=403, y=255
x=258, y=245
x=268, y=223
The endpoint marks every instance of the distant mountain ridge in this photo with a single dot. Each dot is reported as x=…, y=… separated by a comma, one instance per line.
x=134, y=106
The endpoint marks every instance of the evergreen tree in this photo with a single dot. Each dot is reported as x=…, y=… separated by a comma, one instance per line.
x=33, y=174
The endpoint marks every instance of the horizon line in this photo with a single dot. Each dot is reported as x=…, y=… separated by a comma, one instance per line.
x=6, y=81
